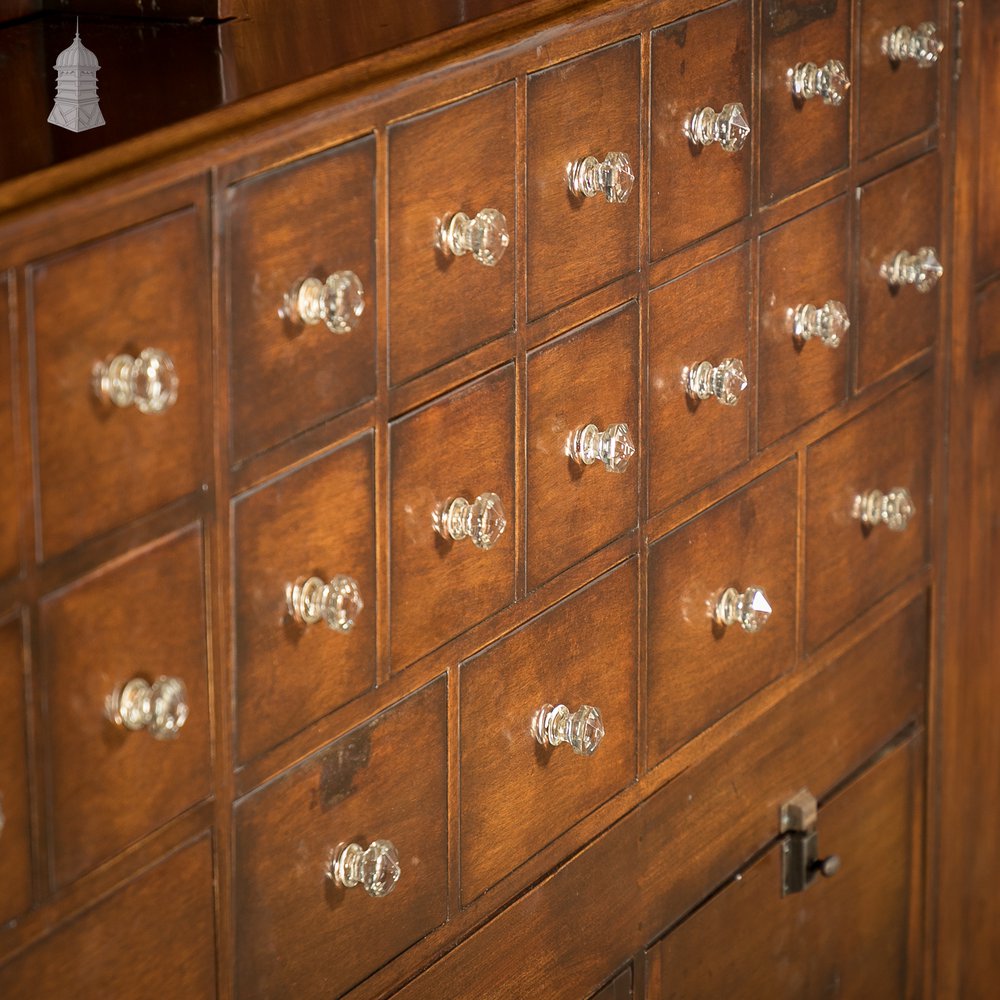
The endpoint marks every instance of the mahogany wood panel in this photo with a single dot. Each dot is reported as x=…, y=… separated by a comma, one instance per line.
x=15, y=829
x=702, y=316
x=698, y=669
x=316, y=521
x=298, y=933
x=10, y=506
x=156, y=936
x=311, y=218
x=848, y=567
x=142, y=616
x=458, y=159
x=516, y=795
x=898, y=211
x=701, y=61
x=100, y=466
x=459, y=446
x=896, y=99
x=987, y=321
x=620, y=988
x=590, y=375
x=805, y=261
x=801, y=141
x=978, y=103
x=588, y=106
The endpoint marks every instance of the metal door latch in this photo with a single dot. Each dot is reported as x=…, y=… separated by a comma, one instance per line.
x=800, y=860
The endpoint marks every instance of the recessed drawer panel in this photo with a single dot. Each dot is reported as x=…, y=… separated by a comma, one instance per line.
x=583, y=408
x=582, y=234
x=156, y=936
x=144, y=289
x=451, y=282
x=900, y=267
x=519, y=793
x=901, y=47
x=868, y=508
x=700, y=162
x=301, y=933
x=721, y=609
x=141, y=620
x=452, y=514
x=806, y=97
x=698, y=326
x=304, y=571
x=804, y=320
x=10, y=513
x=314, y=220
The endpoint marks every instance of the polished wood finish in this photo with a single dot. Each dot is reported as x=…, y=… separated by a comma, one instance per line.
x=315, y=521
x=589, y=375
x=620, y=988
x=701, y=61
x=10, y=513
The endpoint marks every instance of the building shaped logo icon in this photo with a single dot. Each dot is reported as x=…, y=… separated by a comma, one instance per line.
x=76, y=106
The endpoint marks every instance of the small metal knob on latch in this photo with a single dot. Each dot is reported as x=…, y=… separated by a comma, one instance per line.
x=376, y=869
x=800, y=860
x=613, y=447
x=612, y=177
x=583, y=729
x=920, y=45
x=725, y=381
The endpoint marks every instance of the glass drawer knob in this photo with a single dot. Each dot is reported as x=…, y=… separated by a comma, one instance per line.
x=161, y=708
x=485, y=236
x=612, y=447
x=482, y=520
x=725, y=381
x=338, y=603
x=921, y=269
x=920, y=45
x=338, y=302
x=148, y=382
x=749, y=609
x=728, y=127
x=828, y=323
x=376, y=869
x=583, y=729
x=893, y=509
x=612, y=177
x=829, y=82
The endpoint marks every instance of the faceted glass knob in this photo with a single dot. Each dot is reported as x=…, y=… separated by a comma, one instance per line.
x=612, y=177
x=148, y=382
x=338, y=302
x=161, y=708
x=829, y=82
x=338, y=603
x=921, y=269
x=613, y=447
x=749, y=609
x=482, y=520
x=376, y=869
x=725, y=381
x=583, y=729
x=828, y=323
x=893, y=509
x=728, y=127
x=920, y=45
x=485, y=236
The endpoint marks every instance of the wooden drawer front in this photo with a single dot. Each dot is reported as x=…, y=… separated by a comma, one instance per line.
x=620, y=988
x=310, y=219
x=849, y=566
x=144, y=287
x=588, y=376
x=458, y=159
x=585, y=107
x=10, y=513
x=846, y=936
x=801, y=141
x=142, y=616
x=300, y=934
x=699, y=669
x=699, y=317
x=898, y=99
x=804, y=262
x=701, y=61
x=518, y=796
x=15, y=831
x=459, y=446
x=899, y=211
x=154, y=937
x=318, y=521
